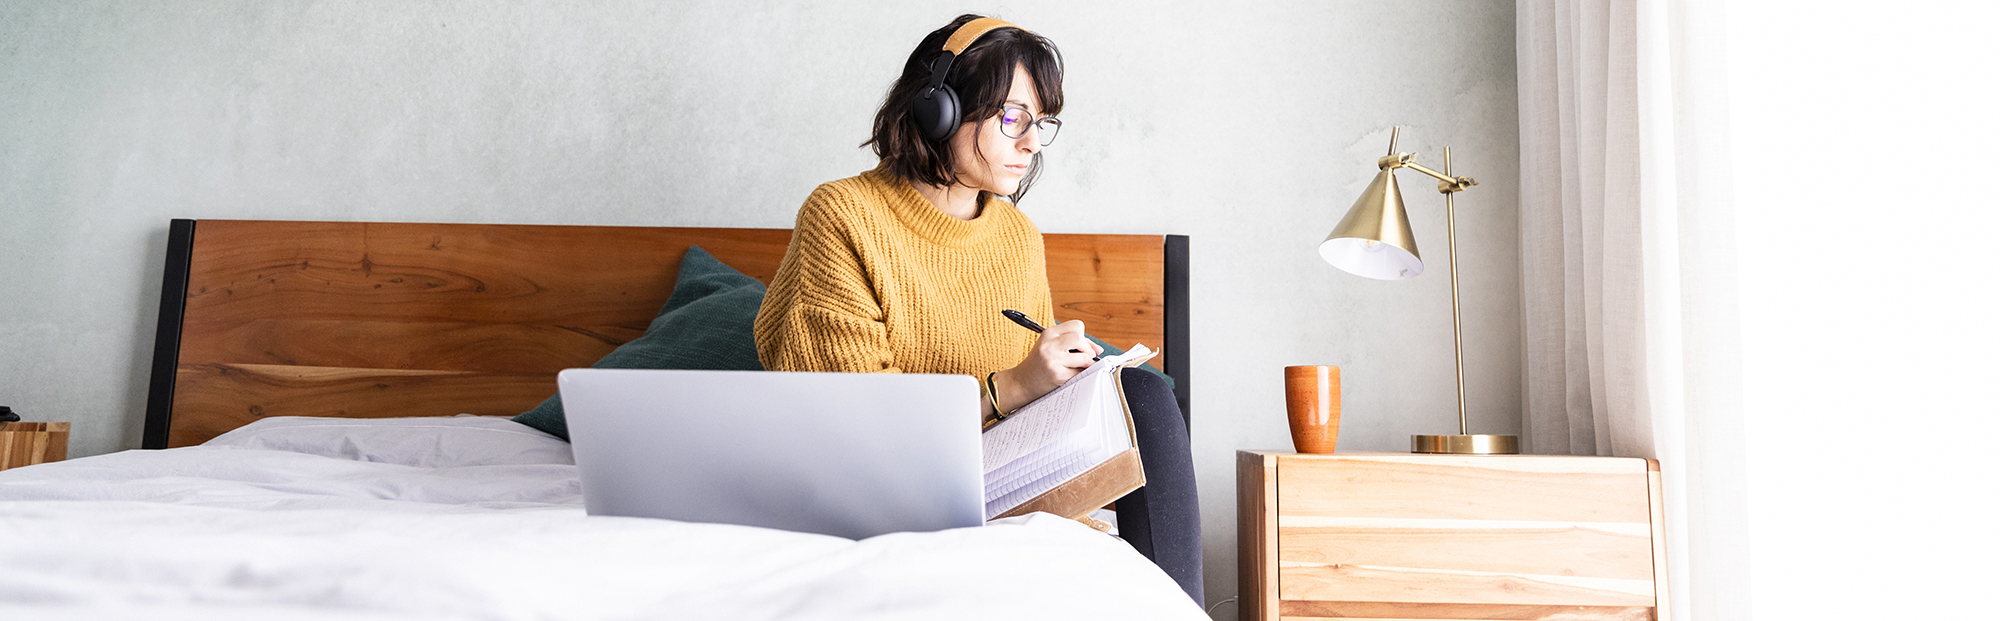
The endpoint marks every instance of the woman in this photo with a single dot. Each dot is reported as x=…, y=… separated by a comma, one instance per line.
x=905, y=268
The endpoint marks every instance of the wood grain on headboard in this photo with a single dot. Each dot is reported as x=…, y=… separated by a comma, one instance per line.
x=360, y=319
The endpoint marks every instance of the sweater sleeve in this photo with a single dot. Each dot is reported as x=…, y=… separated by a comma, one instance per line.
x=821, y=312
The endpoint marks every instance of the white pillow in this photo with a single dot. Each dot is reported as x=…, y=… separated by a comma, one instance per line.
x=428, y=442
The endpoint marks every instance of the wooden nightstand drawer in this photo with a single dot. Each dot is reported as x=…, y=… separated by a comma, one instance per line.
x=27, y=444
x=1399, y=536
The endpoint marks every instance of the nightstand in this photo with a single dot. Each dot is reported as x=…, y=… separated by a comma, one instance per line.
x=1403, y=536
x=27, y=444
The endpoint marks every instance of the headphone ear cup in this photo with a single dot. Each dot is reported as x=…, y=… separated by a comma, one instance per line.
x=936, y=112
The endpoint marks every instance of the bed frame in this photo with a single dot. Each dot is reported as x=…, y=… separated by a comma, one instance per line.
x=370, y=319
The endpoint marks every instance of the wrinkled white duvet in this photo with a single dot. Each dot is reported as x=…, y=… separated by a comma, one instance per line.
x=481, y=518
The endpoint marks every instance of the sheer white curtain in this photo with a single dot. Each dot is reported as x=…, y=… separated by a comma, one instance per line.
x=1627, y=278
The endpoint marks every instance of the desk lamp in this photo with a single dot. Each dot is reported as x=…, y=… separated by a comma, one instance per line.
x=1374, y=241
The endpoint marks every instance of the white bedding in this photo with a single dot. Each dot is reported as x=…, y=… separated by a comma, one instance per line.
x=481, y=518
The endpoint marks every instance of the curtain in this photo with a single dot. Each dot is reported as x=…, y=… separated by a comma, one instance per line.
x=1580, y=233
x=1630, y=319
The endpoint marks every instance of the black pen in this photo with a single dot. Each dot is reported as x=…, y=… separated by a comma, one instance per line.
x=1022, y=318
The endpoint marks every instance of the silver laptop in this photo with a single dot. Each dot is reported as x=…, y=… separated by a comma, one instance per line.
x=848, y=454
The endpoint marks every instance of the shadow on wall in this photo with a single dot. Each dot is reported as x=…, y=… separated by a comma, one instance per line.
x=152, y=269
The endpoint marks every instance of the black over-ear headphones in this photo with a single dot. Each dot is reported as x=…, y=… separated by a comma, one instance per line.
x=936, y=106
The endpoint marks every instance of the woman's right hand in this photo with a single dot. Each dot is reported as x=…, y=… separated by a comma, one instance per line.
x=1059, y=354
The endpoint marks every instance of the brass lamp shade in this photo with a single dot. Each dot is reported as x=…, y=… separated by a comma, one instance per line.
x=1374, y=239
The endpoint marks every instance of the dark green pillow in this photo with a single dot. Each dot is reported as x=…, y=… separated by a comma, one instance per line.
x=706, y=324
x=1113, y=351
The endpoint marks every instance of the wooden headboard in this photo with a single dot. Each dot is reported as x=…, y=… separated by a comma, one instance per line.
x=369, y=319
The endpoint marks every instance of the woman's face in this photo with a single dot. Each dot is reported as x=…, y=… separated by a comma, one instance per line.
x=984, y=157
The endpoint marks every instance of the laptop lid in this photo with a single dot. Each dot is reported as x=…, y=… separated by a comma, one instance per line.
x=848, y=454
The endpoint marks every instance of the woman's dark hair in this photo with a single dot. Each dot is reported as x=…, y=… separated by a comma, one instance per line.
x=981, y=76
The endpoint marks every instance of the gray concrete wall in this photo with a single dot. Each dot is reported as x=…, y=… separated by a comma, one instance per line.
x=1250, y=128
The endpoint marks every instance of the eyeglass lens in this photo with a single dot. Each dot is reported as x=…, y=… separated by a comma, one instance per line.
x=1014, y=123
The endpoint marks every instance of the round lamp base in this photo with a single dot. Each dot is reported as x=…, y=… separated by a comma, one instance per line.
x=1476, y=444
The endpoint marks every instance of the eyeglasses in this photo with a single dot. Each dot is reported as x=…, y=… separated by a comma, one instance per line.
x=1015, y=121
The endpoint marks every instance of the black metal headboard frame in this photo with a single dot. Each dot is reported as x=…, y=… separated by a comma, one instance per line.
x=167, y=337
x=1177, y=322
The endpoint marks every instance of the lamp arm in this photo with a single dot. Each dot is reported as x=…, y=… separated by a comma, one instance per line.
x=1446, y=183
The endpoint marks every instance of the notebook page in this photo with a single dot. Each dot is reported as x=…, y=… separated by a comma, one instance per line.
x=1066, y=460
x=1044, y=420
x=1101, y=438
x=1111, y=422
x=1033, y=465
x=1059, y=472
x=1104, y=435
x=1038, y=424
x=1117, y=429
x=1036, y=465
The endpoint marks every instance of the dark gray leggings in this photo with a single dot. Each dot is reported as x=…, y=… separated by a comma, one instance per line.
x=1163, y=519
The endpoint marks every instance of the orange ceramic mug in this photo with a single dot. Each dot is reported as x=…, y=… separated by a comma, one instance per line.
x=1312, y=399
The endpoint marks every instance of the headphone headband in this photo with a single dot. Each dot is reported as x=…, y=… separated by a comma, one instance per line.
x=972, y=31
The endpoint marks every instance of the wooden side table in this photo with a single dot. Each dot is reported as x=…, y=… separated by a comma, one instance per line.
x=27, y=444
x=1402, y=536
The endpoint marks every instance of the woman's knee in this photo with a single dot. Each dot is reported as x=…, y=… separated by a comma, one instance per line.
x=1149, y=396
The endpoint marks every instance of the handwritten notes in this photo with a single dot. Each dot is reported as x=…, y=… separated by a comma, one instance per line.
x=1059, y=436
x=1059, y=413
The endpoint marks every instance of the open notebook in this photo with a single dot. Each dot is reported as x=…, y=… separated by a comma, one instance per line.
x=1069, y=452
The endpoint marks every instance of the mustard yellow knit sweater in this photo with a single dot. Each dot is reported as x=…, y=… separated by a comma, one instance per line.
x=877, y=279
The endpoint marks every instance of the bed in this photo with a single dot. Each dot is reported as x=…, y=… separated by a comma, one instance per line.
x=328, y=412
